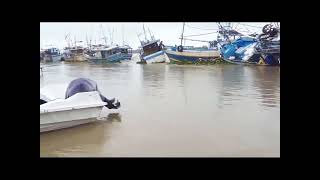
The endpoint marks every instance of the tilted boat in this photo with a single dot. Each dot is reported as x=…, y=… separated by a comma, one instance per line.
x=152, y=50
x=262, y=49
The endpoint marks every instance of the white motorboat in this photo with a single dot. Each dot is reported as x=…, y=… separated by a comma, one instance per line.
x=58, y=113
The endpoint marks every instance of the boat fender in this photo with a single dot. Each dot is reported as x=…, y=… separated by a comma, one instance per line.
x=180, y=48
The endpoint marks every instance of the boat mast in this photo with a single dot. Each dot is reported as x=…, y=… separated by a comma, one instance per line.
x=182, y=34
x=102, y=34
x=145, y=35
x=111, y=36
x=122, y=36
x=152, y=38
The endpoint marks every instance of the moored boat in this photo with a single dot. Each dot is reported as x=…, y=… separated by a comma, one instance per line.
x=152, y=50
x=189, y=54
x=110, y=54
x=63, y=113
x=262, y=49
x=192, y=56
x=74, y=54
x=50, y=55
x=80, y=102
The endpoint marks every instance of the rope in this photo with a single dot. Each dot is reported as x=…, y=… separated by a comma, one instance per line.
x=195, y=40
x=251, y=26
x=200, y=34
x=201, y=28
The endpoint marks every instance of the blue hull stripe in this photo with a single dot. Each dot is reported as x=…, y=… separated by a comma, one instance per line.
x=153, y=55
x=113, y=58
x=186, y=58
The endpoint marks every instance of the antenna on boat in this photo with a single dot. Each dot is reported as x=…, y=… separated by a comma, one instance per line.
x=182, y=33
x=111, y=36
x=145, y=35
x=87, y=40
x=105, y=38
x=113, y=30
x=152, y=37
x=122, y=36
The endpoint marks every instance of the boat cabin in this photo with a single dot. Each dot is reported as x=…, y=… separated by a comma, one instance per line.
x=150, y=47
x=125, y=49
x=52, y=51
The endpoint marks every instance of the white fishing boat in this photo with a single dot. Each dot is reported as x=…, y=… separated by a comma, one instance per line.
x=74, y=54
x=58, y=113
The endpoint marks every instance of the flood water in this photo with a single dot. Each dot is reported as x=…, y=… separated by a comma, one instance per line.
x=173, y=111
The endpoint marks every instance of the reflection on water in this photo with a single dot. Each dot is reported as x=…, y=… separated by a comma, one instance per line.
x=172, y=110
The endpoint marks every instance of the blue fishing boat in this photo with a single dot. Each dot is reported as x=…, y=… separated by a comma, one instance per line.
x=190, y=54
x=51, y=54
x=110, y=54
x=262, y=49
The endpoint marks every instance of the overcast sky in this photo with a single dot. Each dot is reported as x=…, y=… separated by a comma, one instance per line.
x=169, y=33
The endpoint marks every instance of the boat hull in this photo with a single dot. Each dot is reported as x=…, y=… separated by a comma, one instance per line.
x=112, y=58
x=249, y=51
x=192, y=56
x=158, y=57
x=58, y=113
x=65, y=119
x=258, y=60
x=52, y=58
x=76, y=58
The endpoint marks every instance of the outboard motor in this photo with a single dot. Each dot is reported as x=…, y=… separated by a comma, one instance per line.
x=88, y=85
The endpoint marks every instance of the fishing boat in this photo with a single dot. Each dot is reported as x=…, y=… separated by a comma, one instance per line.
x=74, y=54
x=190, y=54
x=50, y=55
x=151, y=50
x=41, y=55
x=110, y=54
x=262, y=49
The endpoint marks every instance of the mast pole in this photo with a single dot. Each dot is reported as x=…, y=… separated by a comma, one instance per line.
x=182, y=34
x=150, y=34
x=145, y=35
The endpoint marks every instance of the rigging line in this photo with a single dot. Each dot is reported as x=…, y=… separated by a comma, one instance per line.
x=201, y=28
x=194, y=40
x=251, y=26
x=200, y=34
x=236, y=26
x=247, y=29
